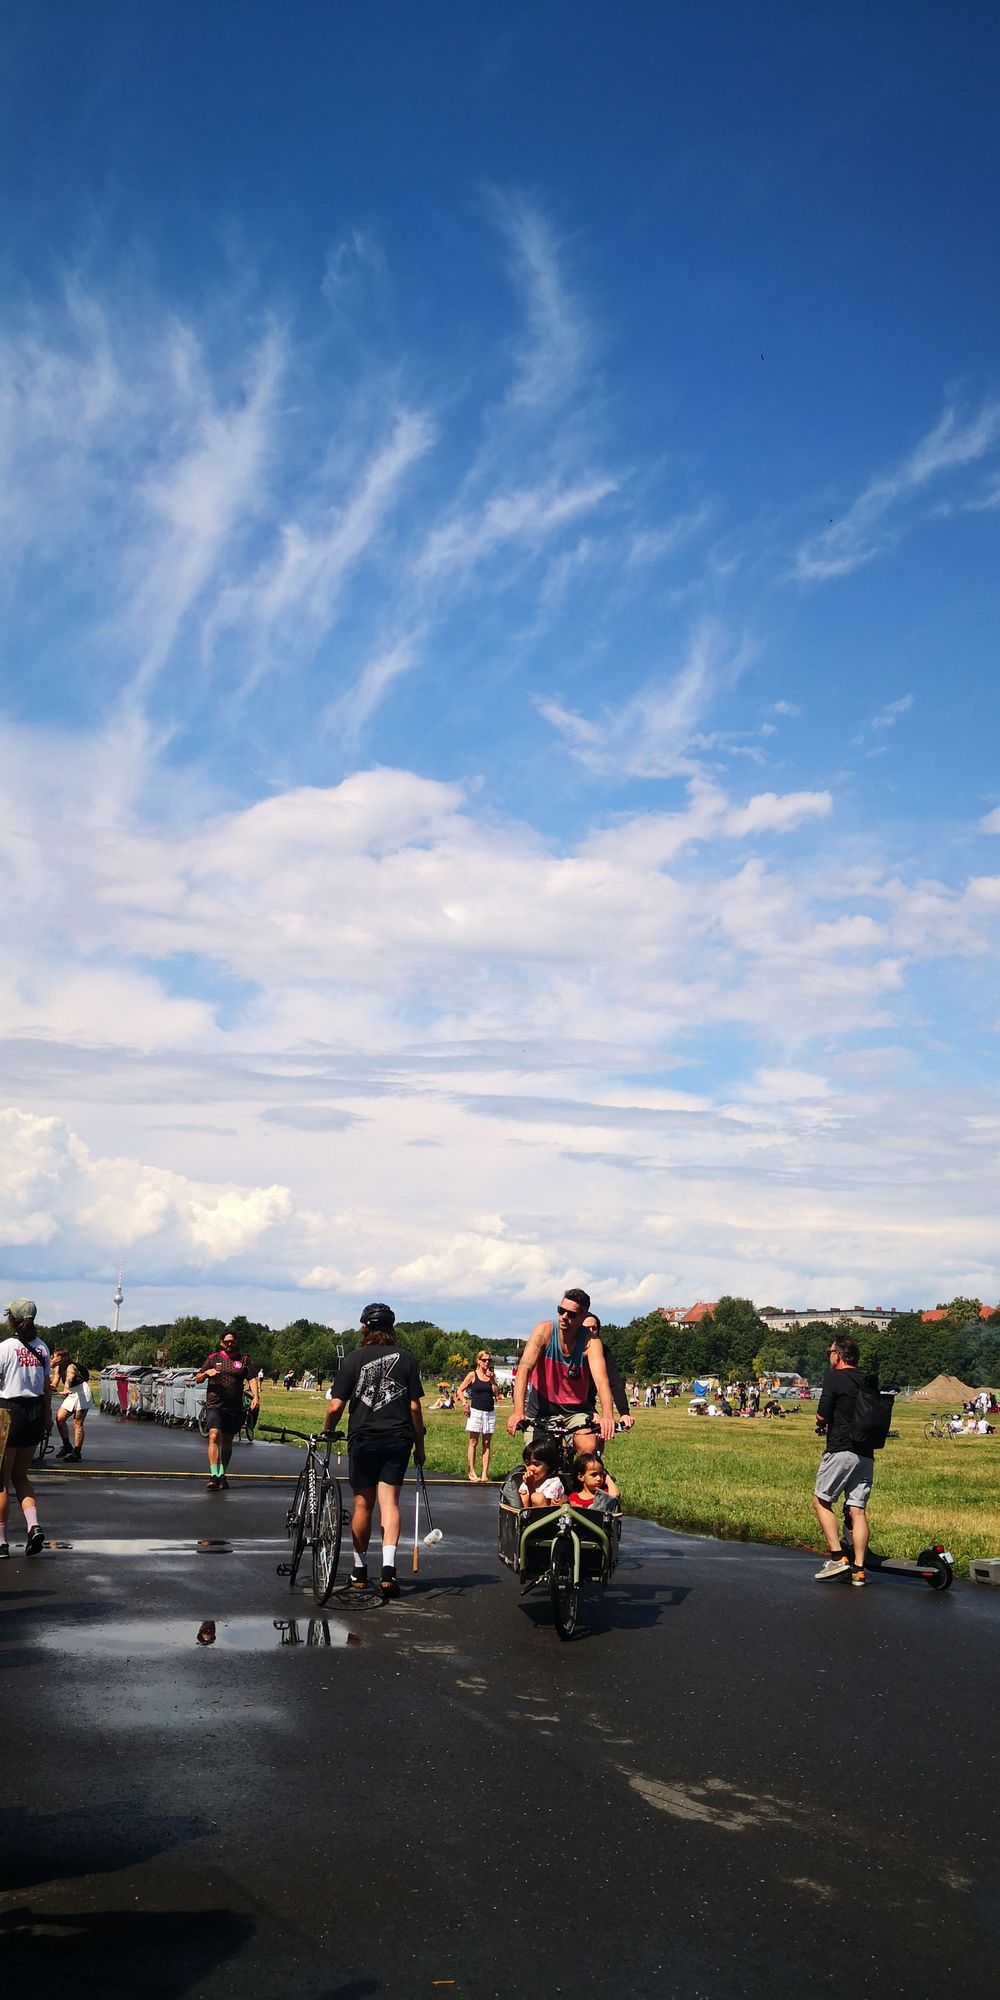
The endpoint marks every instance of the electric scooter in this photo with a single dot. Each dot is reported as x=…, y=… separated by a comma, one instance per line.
x=934, y=1565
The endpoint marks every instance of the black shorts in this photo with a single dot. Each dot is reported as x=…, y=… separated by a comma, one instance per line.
x=27, y=1420
x=224, y=1417
x=373, y=1464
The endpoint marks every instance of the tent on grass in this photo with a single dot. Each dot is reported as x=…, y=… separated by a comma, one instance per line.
x=944, y=1389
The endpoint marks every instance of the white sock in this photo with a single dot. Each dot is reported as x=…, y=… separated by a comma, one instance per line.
x=388, y=1555
x=360, y=1562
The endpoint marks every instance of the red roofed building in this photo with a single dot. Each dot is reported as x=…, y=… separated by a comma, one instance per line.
x=941, y=1312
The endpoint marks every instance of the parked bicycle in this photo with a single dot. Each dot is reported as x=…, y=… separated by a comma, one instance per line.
x=316, y=1515
x=939, y=1427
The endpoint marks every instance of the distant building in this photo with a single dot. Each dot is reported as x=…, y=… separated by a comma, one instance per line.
x=941, y=1312
x=782, y=1319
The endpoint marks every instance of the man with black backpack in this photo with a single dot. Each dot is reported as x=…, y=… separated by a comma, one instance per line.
x=852, y=1418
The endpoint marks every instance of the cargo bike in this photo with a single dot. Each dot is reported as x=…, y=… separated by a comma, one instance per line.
x=563, y=1548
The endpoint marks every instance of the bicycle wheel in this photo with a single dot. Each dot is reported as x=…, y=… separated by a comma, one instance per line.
x=565, y=1591
x=296, y=1523
x=326, y=1542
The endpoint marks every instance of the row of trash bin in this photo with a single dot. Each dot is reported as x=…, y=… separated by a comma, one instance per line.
x=154, y=1395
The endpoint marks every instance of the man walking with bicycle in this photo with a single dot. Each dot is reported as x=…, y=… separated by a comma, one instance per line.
x=381, y=1384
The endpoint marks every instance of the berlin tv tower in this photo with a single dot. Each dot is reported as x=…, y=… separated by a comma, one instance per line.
x=118, y=1300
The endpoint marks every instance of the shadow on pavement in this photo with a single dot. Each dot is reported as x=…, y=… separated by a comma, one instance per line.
x=52, y=1846
x=97, y=1951
x=631, y=1609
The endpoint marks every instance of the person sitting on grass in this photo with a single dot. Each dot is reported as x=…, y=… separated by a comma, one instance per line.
x=591, y=1479
x=541, y=1485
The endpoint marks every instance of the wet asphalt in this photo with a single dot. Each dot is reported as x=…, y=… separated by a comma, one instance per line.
x=734, y=1781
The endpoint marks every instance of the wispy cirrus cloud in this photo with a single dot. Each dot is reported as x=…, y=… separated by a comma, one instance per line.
x=551, y=356
x=197, y=499
x=872, y=524
x=529, y=517
x=290, y=603
x=653, y=545
x=886, y=718
x=653, y=734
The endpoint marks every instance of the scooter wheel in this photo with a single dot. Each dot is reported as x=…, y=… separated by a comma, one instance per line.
x=943, y=1576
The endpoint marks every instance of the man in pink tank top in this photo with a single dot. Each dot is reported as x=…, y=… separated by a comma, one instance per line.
x=563, y=1361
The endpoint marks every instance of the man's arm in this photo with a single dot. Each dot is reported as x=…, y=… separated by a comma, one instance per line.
x=616, y=1382
x=827, y=1399
x=417, y=1420
x=536, y=1341
x=333, y=1410
x=594, y=1352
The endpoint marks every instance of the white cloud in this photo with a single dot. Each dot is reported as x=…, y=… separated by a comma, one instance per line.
x=866, y=530
x=54, y=1191
x=291, y=602
x=651, y=545
x=654, y=733
x=990, y=823
x=356, y=279
x=550, y=361
x=196, y=501
x=529, y=518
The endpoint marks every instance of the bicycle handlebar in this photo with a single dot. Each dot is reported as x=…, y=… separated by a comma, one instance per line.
x=305, y=1437
x=560, y=1426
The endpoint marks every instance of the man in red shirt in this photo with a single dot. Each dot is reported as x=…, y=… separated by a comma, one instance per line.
x=227, y=1371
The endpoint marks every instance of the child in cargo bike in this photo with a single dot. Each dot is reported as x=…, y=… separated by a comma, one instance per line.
x=541, y=1485
x=593, y=1485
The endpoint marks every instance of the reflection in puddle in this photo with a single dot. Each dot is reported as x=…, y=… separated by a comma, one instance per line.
x=159, y=1637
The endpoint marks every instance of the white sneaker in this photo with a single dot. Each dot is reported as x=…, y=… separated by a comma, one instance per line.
x=834, y=1566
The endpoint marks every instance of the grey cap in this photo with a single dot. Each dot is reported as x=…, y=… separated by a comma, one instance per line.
x=21, y=1310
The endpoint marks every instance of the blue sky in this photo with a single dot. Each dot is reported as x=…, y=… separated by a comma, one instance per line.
x=498, y=546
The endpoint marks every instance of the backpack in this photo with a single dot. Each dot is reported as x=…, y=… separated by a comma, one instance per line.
x=872, y=1417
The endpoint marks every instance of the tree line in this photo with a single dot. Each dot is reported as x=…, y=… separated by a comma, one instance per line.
x=303, y=1344
x=732, y=1341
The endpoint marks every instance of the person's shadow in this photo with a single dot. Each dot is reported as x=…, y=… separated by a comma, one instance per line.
x=156, y=1952
x=53, y=1847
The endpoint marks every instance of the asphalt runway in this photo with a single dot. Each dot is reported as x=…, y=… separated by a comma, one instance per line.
x=735, y=1782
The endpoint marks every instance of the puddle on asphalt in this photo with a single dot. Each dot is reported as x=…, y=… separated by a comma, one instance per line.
x=160, y=1637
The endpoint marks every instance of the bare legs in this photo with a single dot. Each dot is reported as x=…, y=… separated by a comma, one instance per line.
x=361, y=1520
x=15, y=1472
x=479, y=1437
x=858, y=1521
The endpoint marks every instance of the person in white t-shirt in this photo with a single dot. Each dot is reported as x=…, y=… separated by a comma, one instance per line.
x=541, y=1485
x=77, y=1401
x=26, y=1395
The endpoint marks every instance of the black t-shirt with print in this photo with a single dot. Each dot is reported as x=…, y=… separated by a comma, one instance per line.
x=378, y=1384
x=837, y=1401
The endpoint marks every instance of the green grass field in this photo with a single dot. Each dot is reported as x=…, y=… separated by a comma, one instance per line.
x=752, y=1481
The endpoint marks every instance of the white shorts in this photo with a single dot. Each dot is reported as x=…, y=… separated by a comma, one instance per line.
x=71, y=1405
x=481, y=1423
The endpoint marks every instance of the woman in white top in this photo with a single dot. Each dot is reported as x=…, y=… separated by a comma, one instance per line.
x=77, y=1401
x=26, y=1395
